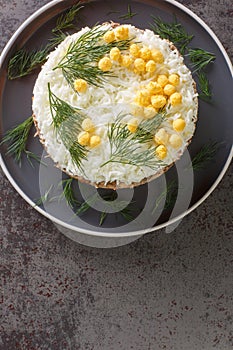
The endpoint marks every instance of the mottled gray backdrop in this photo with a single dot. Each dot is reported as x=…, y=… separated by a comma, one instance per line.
x=165, y=291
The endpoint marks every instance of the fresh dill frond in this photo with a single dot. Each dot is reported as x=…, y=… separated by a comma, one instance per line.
x=110, y=202
x=24, y=62
x=86, y=205
x=80, y=60
x=147, y=128
x=57, y=38
x=83, y=208
x=115, y=207
x=46, y=197
x=68, y=192
x=129, y=14
x=173, y=31
x=200, y=58
x=67, y=122
x=204, y=86
x=16, y=139
x=103, y=216
x=168, y=194
x=127, y=213
x=66, y=20
x=30, y=155
x=126, y=147
x=206, y=154
x=171, y=196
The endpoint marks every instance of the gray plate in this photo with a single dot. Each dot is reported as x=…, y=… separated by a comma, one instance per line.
x=214, y=123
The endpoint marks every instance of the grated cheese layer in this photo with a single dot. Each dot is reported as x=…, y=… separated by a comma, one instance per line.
x=103, y=104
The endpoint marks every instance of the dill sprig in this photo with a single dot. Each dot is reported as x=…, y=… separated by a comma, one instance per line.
x=206, y=154
x=204, y=86
x=86, y=205
x=126, y=146
x=200, y=59
x=67, y=122
x=68, y=192
x=169, y=193
x=173, y=31
x=147, y=128
x=30, y=155
x=24, y=62
x=80, y=60
x=57, y=38
x=82, y=208
x=126, y=212
x=171, y=196
x=45, y=198
x=16, y=139
x=66, y=20
x=110, y=203
x=103, y=216
x=129, y=14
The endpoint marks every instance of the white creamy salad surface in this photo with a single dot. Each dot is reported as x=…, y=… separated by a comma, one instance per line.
x=122, y=93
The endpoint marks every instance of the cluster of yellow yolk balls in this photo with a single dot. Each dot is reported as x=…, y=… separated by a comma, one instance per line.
x=87, y=137
x=152, y=97
x=162, y=138
x=105, y=63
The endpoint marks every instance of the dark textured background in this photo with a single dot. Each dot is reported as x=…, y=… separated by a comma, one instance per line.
x=164, y=291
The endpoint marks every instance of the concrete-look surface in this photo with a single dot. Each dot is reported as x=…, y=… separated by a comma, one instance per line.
x=164, y=291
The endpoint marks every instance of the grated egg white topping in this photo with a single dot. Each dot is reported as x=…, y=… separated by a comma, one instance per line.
x=103, y=104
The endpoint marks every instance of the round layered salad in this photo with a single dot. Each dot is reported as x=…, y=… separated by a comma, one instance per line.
x=115, y=106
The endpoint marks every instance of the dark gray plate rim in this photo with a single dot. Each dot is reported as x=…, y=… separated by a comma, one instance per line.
x=169, y=223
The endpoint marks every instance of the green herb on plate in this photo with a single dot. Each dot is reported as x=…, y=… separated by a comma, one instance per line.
x=24, y=62
x=116, y=206
x=86, y=205
x=110, y=204
x=168, y=195
x=204, y=86
x=68, y=192
x=127, y=213
x=129, y=14
x=206, y=154
x=66, y=20
x=200, y=59
x=173, y=31
x=45, y=198
x=16, y=140
x=103, y=216
x=30, y=155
